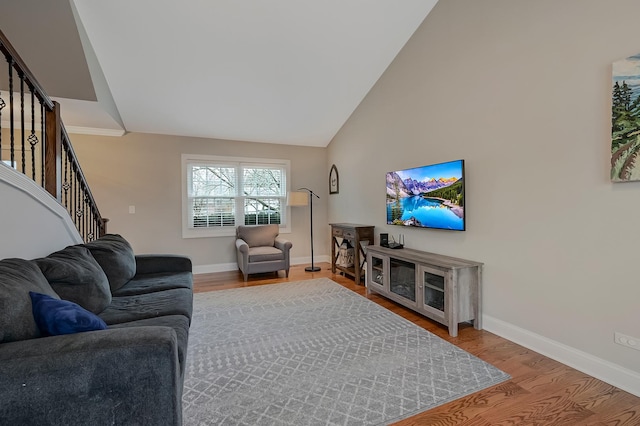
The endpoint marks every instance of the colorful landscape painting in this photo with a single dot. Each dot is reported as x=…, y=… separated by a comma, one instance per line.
x=427, y=197
x=625, y=120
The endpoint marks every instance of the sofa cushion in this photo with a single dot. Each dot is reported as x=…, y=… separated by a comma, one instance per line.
x=265, y=254
x=156, y=263
x=17, y=278
x=177, y=301
x=149, y=283
x=55, y=317
x=115, y=256
x=75, y=275
x=258, y=235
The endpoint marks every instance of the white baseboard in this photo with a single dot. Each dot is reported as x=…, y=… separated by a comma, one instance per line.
x=316, y=259
x=215, y=267
x=225, y=267
x=601, y=369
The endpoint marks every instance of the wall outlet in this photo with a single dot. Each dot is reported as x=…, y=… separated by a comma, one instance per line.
x=628, y=341
x=132, y=209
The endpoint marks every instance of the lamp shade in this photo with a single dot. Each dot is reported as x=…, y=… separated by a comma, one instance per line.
x=297, y=198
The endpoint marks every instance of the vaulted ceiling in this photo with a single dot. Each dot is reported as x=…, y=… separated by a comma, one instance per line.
x=278, y=71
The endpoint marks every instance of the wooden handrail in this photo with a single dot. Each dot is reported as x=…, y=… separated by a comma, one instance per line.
x=7, y=48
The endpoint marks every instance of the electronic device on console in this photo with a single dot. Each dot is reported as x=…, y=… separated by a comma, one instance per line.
x=396, y=245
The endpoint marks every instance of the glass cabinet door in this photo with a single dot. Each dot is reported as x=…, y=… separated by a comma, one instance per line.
x=376, y=266
x=402, y=280
x=433, y=290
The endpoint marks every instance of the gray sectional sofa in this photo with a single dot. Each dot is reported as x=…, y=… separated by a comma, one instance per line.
x=128, y=370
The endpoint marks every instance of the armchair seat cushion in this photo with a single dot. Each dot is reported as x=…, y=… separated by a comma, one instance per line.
x=265, y=254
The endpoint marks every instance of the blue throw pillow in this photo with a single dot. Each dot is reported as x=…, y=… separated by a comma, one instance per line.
x=55, y=317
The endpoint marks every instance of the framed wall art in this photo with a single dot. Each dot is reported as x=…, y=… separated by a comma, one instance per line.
x=625, y=125
x=334, y=180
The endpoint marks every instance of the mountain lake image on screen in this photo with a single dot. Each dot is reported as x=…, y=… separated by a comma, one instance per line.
x=427, y=197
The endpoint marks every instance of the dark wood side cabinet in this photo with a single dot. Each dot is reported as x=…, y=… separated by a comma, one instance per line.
x=359, y=236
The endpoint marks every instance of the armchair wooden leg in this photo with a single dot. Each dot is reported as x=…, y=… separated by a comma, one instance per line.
x=245, y=276
x=286, y=273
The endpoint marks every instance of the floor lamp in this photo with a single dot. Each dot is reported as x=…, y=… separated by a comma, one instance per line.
x=299, y=198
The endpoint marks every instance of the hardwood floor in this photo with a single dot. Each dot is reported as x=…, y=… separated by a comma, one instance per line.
x=541, y=391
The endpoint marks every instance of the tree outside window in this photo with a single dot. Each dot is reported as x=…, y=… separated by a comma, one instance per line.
x=221, y=194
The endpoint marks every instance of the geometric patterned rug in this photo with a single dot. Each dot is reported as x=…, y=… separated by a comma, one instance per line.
x=315, y=353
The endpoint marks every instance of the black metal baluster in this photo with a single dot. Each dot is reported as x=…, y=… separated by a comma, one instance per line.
x=2, y=105
x=78, y=210
x=76, y=201
x=33, y=139
x=87, y=216
x=84, y=215
x=81, y=210
x=89, y=220
x=73, y=192
x=11, y=135
x=66, y=185
x=71, y=188
x=23, y=151
x=44, y=138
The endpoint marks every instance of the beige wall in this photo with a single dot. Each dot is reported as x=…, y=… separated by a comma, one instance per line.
x=521, y=90
x=144, y=171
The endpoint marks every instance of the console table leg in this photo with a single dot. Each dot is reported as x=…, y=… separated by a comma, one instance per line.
x=477, y=321
x=453, y=330
x=333, y=254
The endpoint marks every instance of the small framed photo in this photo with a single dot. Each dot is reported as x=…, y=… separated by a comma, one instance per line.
x=334, y=180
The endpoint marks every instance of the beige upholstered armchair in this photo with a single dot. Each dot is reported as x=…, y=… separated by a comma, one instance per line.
x=260, y=249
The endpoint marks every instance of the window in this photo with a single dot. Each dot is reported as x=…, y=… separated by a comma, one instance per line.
x=220, y=193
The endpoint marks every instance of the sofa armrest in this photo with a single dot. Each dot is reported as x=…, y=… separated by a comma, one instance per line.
x=283, y=244
x=242, y=255
x=155, y=263
x=242, y=246
x=99, y=377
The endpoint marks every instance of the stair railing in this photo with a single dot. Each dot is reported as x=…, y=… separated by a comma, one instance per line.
x=33, y=141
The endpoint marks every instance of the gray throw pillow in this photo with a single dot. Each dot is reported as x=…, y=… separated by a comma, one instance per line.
x=17, y=278
x=115, y=255
x=76, y=276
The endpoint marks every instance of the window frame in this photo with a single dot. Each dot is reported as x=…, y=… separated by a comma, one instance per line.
x=237, y=162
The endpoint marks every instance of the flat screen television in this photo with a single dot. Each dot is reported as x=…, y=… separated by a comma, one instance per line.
x=427, y=197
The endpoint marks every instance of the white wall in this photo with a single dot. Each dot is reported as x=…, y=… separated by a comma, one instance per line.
x=32, y=223
x=144, y=171
x=522, y=91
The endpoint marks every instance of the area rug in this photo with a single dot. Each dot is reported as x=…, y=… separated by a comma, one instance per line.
x=315, y=353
